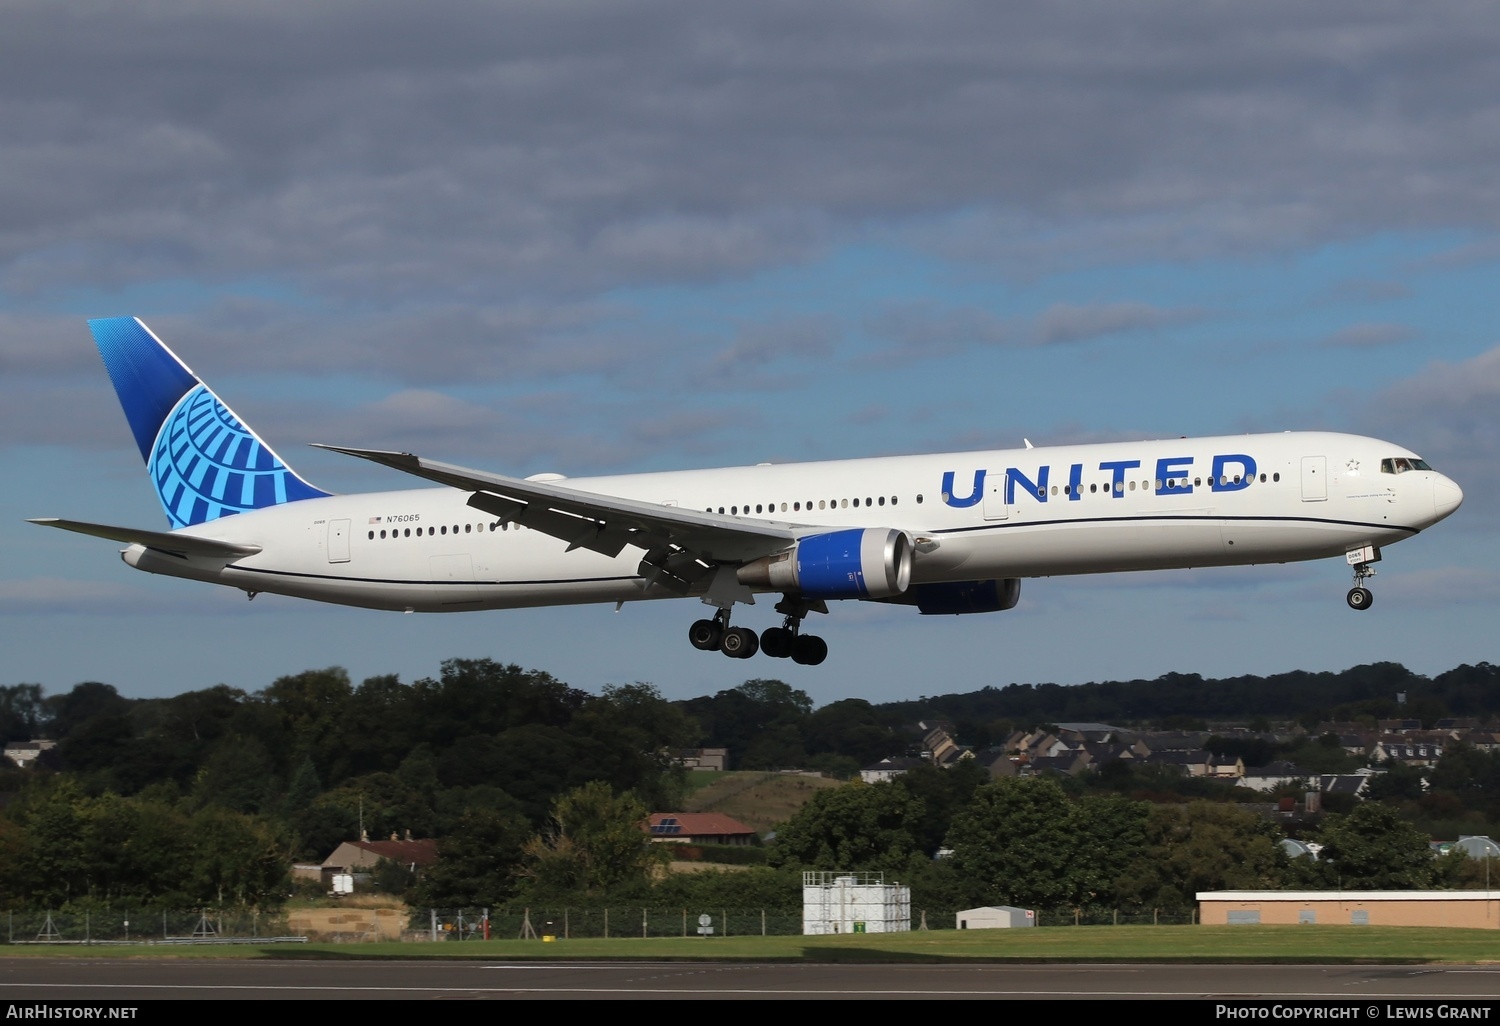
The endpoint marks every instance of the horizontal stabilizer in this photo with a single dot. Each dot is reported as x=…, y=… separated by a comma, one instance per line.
x=171, y=542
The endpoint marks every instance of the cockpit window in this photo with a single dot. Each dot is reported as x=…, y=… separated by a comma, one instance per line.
x=1401, y=464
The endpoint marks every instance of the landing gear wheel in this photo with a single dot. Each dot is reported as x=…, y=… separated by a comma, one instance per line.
x=706, y=635
x=809, y=650
x=777, y=642
x=739, y=643
x=1359, y=598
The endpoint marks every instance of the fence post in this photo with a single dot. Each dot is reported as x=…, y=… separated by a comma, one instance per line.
x=432, y=921
x=762, y=922
x=684, y=924
x=1117, y=917
x=87, y=936
x=566, y=935
x=725, y=914
x=643, y=922
x=606, y=923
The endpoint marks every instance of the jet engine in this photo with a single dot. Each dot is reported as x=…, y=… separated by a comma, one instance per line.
x=854, y=564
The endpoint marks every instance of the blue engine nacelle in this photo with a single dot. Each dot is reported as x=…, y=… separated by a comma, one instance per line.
x=854, y=564
x=956, y=597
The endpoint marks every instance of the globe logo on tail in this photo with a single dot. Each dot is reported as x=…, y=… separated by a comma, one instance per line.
x=207, y=465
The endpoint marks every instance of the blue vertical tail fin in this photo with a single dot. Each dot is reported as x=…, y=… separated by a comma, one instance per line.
x=203, y=461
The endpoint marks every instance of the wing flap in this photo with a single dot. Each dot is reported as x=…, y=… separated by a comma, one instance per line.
x=173, y=543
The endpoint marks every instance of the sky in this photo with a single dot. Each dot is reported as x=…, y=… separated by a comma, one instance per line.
x=608, y=237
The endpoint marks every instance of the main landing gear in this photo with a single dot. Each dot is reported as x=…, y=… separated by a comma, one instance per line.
x=781, y=642
x=1361, y=561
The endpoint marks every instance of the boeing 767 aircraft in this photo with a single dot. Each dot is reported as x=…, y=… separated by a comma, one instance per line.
x=948, y=533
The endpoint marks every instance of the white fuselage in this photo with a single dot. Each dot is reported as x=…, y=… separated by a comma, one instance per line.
x=1016, y=513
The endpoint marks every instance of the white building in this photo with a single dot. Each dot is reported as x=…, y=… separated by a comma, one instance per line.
x=994, y=917
x=853, y=903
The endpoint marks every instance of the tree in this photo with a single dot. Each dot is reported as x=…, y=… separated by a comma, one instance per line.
x=1014, y=844
x=1202, y=846
x=596, y=842
x=479, y=863
x=23, y=711
x=1373, y=848
x=857, y=826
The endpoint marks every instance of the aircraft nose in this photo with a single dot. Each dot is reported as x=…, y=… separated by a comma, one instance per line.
x=1446, y=496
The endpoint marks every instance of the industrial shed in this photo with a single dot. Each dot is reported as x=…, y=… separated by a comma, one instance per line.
x=993, y=917
x=1468, y=909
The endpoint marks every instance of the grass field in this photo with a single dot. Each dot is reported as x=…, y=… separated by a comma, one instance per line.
x=759, y=800
x=1323, y=945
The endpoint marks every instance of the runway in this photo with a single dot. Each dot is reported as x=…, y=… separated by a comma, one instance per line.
x=125, y=980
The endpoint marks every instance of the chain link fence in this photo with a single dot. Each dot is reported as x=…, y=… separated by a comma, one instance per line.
x=107, y=926
x=647, y=922
x=509, y=923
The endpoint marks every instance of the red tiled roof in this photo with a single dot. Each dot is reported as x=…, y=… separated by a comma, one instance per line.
x=421, y=853
x=698, y=824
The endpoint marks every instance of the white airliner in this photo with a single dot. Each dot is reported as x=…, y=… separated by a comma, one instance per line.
x=948, y=533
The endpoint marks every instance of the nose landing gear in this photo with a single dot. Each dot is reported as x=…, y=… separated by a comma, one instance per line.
x=1361, y=561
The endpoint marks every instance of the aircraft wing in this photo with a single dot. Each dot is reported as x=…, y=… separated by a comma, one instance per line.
x=682, y=545
x=173, y=543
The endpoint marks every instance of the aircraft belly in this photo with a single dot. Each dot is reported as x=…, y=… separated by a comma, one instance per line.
x=1108, y=547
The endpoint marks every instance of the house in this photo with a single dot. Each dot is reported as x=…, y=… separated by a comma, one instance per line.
x=704, y=759
x=889, y=768
x=24, y=753
x=697, y=828
x=358, y=857
x=1273, y=775
x=1419, y=754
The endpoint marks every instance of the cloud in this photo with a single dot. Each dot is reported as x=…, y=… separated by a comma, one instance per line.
x=927, y=329
x=1450, y=414
x=1440, y=587
x=1368, y=336
x=762, y=355
x=380, y=151
x=1065, y=323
